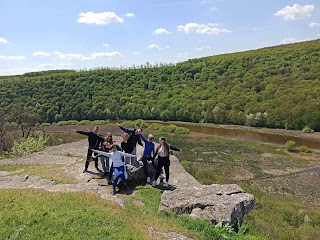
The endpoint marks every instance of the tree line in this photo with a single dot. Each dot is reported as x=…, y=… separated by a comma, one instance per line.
x=275, y=87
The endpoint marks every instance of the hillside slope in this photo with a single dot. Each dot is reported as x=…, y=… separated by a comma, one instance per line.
x=276, y=87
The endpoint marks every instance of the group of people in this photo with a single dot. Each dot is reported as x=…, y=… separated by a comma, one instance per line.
x=104, y=148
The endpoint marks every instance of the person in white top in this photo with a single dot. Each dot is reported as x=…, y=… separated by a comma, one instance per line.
x=118, y=165
x=163, y=150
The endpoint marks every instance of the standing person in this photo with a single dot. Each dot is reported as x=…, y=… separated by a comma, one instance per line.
x=118, y=165
x=147, y=155
x=106, y=147
x=94, y=140
x=135, y=139
x=162, y=151
x=127, y=144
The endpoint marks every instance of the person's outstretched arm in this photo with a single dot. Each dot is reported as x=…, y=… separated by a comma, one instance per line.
x=174, y=148
x=127, y=154
x=102, y=153
x=81, y=132
x=127, y=130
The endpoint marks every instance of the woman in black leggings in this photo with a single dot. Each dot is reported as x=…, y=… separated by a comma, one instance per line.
x=163, y=159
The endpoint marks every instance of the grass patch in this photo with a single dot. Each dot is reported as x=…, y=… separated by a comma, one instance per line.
x=282, y=217
x=213, y=159
x=35, y=214
x=50, y=172
x=32, y=214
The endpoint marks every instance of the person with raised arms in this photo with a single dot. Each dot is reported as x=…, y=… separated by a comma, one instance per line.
x=94, y=140
x=147, y=155
x=134, y=139
x=118, y=165
x=163, y=150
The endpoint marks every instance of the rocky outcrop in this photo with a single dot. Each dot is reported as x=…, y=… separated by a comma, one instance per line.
x=135, y=172
x=216, y=203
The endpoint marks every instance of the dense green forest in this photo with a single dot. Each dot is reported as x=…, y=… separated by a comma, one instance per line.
x=276, y=87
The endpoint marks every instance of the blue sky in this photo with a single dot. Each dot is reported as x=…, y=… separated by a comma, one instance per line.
x=37, y=35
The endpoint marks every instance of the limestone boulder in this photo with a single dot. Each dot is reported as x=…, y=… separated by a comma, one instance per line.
x=136, y=174
x=216, y=203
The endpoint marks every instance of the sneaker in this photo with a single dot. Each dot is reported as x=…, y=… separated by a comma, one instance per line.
x=109, y=182
x=148, y=179
x=114, y=191
x=154, y=183
x=127, y=190
x=167, y=184
x=84, y=170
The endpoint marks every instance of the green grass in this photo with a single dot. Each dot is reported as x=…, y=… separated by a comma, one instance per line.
x=50, y=172
x=35, y=214
x=213, y=159
x=282, y=217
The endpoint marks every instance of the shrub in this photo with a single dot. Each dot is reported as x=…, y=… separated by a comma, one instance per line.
x=182, y=130
x=62, y=123
x=31, y=144
x=100, y=122
x=85, y=122
x=307, y=129
x=290, y=145
x=155, y=126
x=304, y=149
x=45, y=124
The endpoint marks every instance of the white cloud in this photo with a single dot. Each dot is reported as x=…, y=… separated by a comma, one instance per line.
x=292, y=40
x=12, y=57
x=212, y=9
x=209, y=28
x=296, y=12
x=42, y=54
x=154, y=46
x=203, y=48
x=66, y=64
x=136, y=53
x=99, y=18
x=77, y=56
x=46, y=65
x=3, y=40
x=314, y=25
x=161, y=31
x=167, y=47
x=105, y=54
x=72, y=56
x=182, y=55
x=129, y=15
x=106, y=44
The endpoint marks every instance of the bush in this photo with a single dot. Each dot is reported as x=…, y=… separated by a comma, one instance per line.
x=182, y=130
x=307, y=129
x=304, y=149
x=62, y=123
x=45, y=124
x=29, y=145
x=155, y=126
x=290, y=145
x=85, y=122
x=100, y=122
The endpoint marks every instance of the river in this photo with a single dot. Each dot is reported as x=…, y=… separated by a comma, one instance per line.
x=246, y=134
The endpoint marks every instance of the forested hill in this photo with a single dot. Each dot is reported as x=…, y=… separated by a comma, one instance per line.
x=272, y=87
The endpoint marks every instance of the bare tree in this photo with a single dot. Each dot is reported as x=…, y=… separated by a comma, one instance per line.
x=24, y=119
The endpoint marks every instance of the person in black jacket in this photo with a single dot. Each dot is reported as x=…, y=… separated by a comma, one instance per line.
x=134, y=139
x=163, y=150
x=127, y=145
x=94, y=140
